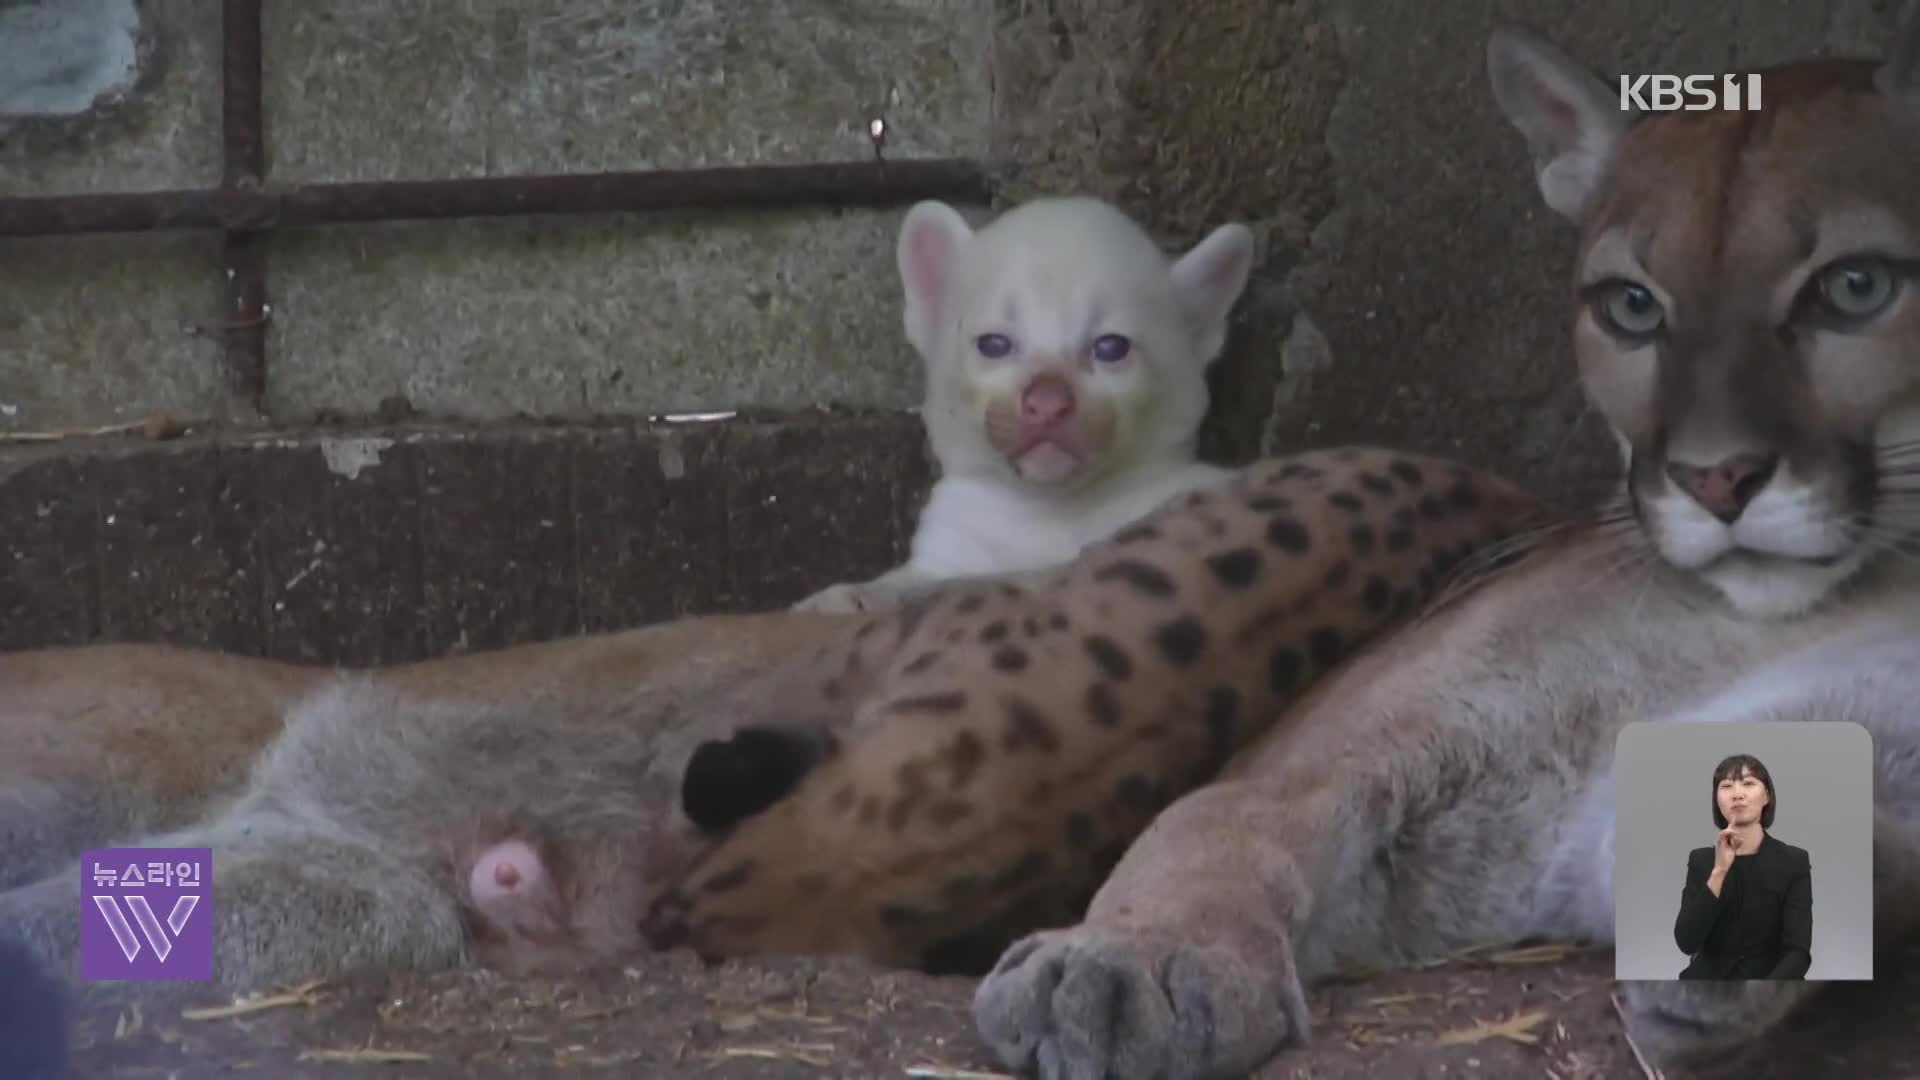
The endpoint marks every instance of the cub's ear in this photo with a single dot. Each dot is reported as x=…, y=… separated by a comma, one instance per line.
x=1899, y=76
x=1571, y=120
x=1210, y=278
x=931, y=239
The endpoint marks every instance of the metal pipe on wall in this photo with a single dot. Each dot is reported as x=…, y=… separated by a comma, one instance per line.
x=737, y=187
x=247, y=207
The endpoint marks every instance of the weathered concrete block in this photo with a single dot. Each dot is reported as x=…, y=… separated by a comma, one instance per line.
x=1066, y=112
x=368, y=89
x=62, y=59
x=50, y=581
x=108, y=95
x=631, y=314
x=492, y=319
x=101, y=329
x=624, y=315
x=394, y=544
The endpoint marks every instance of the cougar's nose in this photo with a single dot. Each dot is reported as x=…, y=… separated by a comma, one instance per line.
x=1725, y=489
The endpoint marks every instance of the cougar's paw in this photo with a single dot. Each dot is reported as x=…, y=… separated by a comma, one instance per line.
x=1091, y=1003
x=849, y=598
x=1687, y=1023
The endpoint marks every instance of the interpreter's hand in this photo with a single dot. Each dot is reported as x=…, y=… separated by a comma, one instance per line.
x=1725, y=846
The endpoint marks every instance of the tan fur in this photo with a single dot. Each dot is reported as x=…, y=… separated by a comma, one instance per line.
x=115, y=740
x=337, y=846
x=124, y=738
x=1013, y=740
x=1452, y=786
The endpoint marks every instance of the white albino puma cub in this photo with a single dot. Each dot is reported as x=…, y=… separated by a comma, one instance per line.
x=1066, y=359
x=1746, y=318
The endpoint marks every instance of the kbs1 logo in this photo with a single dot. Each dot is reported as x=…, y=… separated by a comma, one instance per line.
x=1689, y=93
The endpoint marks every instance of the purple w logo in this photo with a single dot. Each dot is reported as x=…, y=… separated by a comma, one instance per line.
x=150, y=926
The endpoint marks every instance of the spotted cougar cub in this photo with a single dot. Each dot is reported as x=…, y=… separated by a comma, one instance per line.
x=1066, y=359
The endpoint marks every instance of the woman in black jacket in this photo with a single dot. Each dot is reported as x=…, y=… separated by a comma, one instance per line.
x=1746, y=911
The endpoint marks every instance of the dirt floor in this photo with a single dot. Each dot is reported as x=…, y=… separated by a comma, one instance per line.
x=1525, y=1013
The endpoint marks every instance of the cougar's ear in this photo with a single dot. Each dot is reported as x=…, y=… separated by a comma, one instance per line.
x=1211, y=276
x=1899, y=75
x=1571, y=120
x=931, y=239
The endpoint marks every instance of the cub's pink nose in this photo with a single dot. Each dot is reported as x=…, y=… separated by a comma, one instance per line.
x=1047, y=400
x=1725, y=489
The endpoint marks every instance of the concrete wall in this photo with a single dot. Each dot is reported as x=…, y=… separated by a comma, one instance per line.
x=483, y=319
x=1411, y=290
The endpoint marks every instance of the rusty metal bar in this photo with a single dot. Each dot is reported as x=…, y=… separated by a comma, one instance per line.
x=245, y=208
x=846, y=183
x=244, y=252
x=241, y=106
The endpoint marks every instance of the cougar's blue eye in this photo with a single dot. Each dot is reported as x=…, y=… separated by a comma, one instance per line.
x=1629, y=310
x=993, y=346
x=1108, y=348
x=1857, y=288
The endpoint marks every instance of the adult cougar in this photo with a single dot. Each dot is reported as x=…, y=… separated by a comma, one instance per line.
x=1746, y=316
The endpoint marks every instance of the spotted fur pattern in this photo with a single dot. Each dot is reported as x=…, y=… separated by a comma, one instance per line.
x=1008, y=741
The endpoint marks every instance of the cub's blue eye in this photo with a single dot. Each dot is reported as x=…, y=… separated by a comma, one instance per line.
x=1108, y=348
x=993, y=346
